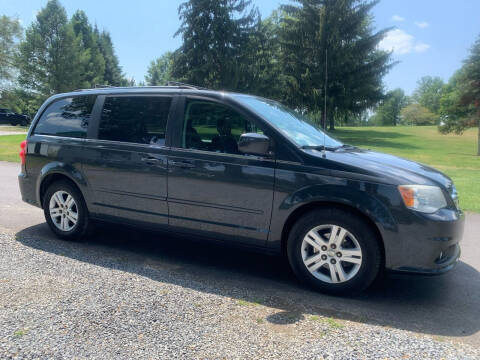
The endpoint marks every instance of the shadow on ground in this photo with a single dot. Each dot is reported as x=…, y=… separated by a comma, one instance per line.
x=445, y=306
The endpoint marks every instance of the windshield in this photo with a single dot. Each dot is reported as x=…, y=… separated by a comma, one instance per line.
x=293, y=125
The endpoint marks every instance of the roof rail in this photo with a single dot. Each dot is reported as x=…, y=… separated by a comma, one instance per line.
x=185, y=86
x=101, y=86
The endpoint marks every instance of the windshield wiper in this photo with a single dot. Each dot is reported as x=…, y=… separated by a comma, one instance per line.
x=317, y=147
x=345, y=146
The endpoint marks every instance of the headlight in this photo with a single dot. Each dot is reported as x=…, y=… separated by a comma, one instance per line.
x=422, y=198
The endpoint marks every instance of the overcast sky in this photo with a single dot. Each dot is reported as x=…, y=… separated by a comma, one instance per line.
x=431, y=37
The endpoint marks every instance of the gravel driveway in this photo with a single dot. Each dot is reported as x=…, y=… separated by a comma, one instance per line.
x=128, y=294
x=95, y=300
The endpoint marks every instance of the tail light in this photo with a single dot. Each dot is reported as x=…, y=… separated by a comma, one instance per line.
x=23, y=151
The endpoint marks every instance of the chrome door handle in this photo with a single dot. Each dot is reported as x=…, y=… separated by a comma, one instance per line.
x=182, y=164
x=151, y=160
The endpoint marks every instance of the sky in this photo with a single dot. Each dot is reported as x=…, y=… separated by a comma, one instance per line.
x=428, y=37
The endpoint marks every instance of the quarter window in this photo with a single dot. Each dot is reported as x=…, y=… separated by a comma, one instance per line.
x=136, y=119
x=67, y=117
x=214, y=127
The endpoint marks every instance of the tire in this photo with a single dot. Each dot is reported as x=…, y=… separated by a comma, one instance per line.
x=68, y=229
x=347, y=267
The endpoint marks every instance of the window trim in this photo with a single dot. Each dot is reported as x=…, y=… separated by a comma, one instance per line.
x=47, y=105
x=97, y=115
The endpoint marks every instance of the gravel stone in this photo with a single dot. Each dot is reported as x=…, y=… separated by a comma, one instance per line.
x=90, y=301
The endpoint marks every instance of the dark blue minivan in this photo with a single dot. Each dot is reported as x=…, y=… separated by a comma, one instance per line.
x=239, y=169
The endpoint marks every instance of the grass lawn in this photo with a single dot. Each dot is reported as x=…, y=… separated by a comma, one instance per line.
x=452, y=154
x=455, y=155
x=10, y=147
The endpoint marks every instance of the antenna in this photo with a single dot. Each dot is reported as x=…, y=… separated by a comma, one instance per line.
x=325, y=102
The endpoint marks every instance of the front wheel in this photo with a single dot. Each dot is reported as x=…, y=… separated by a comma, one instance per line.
x=65, y=211
x=334, y=251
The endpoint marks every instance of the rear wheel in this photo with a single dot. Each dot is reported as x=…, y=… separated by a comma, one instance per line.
x=65, y=211
x=334, y=251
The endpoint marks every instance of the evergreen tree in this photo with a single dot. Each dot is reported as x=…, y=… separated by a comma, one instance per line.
x=113, y=72
x=10, y=34
x=355, y=64
x=160, y=70
x=51, y=57
x=262, y=73
x=215, y=35
x=93, y=62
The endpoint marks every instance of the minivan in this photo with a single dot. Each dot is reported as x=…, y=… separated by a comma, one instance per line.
x=238, y=169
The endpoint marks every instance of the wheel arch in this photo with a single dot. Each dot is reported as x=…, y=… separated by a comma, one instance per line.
x=303, y=209
x=56, y=172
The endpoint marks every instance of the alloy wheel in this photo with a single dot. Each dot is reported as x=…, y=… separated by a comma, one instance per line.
x=63, y=210
x=331, y=253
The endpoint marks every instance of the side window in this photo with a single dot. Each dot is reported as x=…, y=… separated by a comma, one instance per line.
x=136, y=119
x=67, y=117
x=213, y=127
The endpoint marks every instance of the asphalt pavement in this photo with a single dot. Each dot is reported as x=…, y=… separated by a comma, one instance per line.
x=445, y=306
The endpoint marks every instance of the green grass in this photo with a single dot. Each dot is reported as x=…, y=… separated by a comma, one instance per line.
x=10, y=147
x=455, y=155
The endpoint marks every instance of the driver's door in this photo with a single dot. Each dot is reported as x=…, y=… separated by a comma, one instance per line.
x=214, y=189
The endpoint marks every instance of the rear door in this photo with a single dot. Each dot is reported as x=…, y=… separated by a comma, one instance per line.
x=213, y=189
x=126, y=158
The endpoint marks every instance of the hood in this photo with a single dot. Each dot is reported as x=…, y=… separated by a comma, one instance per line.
x=392, y=168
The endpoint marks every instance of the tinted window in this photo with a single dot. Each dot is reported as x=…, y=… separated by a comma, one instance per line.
x=138, y=119
x=214, y=127
x=67, y=117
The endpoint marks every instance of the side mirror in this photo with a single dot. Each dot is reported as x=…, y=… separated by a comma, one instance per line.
x=254, y=144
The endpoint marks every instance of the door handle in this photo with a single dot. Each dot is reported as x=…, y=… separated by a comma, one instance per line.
x=182, y=164
x=151, y=160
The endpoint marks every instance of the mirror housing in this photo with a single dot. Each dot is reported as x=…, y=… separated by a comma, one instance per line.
x=254, y=144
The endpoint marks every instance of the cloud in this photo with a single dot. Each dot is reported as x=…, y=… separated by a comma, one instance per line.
x=397, y=18
x=422, y=24
x=400, y=42
x=421, y=47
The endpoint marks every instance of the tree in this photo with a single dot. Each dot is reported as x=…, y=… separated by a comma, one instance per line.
x=160, y=70
x=355, y=63
x=416, y=114
x=93, y=62
x=215, y=35
x=429, y=92
x=10, y=34
x=388, y=112
x=261, y=68
x=50, y=59
x=460, y=106
x=113, y=72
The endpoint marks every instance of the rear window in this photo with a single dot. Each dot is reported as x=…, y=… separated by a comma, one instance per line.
x=67, y=117
x=135, y=119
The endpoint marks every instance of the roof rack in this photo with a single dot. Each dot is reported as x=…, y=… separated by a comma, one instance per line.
x=169, y=84
x=185, y=86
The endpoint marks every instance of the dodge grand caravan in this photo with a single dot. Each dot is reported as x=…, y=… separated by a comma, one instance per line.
x=239, y=169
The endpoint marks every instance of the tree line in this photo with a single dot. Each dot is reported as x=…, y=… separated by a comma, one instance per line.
x=54, y=54
x=289, y=56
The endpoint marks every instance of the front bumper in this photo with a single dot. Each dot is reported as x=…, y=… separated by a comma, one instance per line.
x=429, y=243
